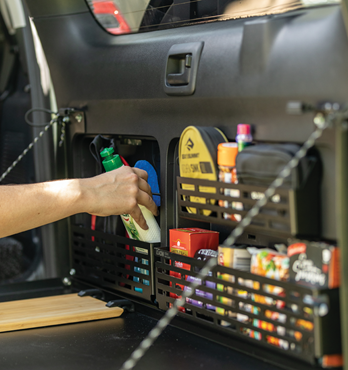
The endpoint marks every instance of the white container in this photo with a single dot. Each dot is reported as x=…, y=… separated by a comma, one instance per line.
x=153, y=233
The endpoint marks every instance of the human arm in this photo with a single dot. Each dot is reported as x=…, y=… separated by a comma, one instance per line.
x=23, y=207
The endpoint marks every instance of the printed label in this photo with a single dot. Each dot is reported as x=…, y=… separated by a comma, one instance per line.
x=130, y=227
x=191, y=155
x=205, y=167
x=177, y=244
x=189, y=144
x=182, y=252
x=141, y=250
x=297, y=248
x=305, y=270
x=179, y=251
x=194, y=167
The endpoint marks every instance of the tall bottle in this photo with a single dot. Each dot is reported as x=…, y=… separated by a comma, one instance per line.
x=244, y=137
x=153, y=234
x=226, y=160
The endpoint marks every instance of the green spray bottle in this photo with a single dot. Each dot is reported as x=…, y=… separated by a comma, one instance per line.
x=153, y=234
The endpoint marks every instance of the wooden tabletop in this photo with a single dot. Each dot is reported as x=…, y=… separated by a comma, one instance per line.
x=56, y=310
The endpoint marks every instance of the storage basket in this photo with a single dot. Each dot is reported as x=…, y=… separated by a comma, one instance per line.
x=114, y=262
x=290, y=212
x=297, y=322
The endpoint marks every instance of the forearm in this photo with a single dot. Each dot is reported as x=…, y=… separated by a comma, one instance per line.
x=23, y=207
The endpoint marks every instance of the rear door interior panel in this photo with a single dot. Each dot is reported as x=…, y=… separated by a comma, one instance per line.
x=141, y=90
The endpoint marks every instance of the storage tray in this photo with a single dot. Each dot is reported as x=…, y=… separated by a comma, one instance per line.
x=273, y=325
x=114, y=262
x=290, y=212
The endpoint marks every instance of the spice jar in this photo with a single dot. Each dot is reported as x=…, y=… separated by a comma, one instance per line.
x=226, y=160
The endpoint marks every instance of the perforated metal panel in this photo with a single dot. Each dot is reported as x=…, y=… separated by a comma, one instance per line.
x=114, y=262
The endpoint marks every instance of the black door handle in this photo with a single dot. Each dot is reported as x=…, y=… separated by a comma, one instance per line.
x=182, y=74
x=176, y=79
x=181, y=68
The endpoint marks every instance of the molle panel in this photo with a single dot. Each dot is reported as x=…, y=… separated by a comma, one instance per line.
x=120, y=79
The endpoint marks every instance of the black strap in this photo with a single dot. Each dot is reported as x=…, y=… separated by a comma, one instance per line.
x=9, y=58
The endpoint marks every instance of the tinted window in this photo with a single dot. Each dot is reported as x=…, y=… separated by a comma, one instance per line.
x=126, y=16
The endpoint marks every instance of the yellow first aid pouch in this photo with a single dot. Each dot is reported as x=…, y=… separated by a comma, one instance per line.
x=198, y=159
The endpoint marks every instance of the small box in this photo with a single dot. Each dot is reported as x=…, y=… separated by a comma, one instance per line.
x=187, y=242
x=314, y=264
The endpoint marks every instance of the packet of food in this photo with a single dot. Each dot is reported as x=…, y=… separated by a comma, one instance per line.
x=202, y=255
x=236, y=257
x=271, y=264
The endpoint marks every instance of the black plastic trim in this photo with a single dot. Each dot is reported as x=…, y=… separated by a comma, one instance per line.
x=50, y=8
x=195, y=50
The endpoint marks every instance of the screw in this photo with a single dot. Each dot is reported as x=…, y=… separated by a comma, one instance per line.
x=66, y=281
x=328, y=106
x=323, y=310
x=72, y=272
x=79, y=117
x=335, y=106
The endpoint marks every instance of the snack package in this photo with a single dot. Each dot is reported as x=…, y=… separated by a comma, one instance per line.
x=274, y=265
x=236, y=257
x=203, y=255
x=314, y=264
x=269, y=263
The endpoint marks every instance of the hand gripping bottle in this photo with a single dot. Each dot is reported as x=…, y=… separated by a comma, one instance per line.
x=153, y=234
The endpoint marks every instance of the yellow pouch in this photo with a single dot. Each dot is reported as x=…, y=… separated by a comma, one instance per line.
x=198, y=160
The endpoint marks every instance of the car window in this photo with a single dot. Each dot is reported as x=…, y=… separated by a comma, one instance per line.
x=130, y=16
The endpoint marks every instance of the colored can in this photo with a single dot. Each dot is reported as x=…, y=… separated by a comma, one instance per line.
x=244, y=137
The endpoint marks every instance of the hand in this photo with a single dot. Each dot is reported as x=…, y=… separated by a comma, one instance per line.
x=119, y=192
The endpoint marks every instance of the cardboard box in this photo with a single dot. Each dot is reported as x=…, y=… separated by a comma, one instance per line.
x=187, y=242
x=314, y=264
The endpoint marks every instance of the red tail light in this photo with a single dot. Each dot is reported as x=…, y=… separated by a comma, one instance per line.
x=108, y=7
